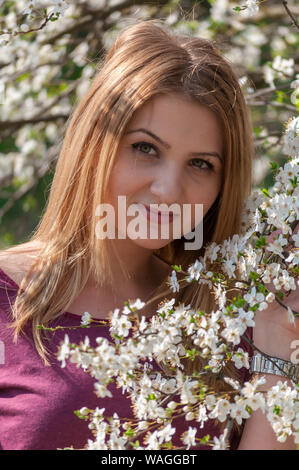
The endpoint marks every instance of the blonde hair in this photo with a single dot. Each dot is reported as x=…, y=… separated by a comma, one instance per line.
x=146, y=59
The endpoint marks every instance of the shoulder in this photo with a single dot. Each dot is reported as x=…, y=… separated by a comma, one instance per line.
x=15, y=262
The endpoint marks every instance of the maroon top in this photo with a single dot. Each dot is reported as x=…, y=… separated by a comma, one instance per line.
x=37, y=402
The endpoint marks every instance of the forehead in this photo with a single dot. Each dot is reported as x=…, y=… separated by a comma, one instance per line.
x=180, y=118
x=175, y=102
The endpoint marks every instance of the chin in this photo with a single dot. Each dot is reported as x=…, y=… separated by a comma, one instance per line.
x=151, y=244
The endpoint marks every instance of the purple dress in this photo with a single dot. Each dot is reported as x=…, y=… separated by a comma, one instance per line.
x=37, y=402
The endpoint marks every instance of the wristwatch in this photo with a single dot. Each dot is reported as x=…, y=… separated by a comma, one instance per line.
x=274, y=365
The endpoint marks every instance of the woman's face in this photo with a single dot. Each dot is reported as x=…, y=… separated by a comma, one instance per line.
x=171, y=153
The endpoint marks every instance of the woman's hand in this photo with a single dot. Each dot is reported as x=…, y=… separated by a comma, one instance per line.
x=273, y=334
x=275, y=328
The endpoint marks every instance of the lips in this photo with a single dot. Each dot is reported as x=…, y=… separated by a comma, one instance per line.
x=159, y=216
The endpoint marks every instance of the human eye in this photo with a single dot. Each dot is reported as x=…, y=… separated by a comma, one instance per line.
x=202, y=164
x=144, y=148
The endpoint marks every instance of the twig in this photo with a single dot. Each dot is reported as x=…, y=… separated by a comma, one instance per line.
x=15, y=33
x=267, y=90
x=285, y=306
x=96, y=15
x=33, y=120
x=275, y=104
x=92, y=324
x=285, y=4
x=33, y=181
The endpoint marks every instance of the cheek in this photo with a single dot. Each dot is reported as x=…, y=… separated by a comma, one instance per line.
x=124, y=181
x=206, y=193
x=118, y=182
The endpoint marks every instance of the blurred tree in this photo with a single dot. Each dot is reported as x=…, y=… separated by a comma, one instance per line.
x=50, y=51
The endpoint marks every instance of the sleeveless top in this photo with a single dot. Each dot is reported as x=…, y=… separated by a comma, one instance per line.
x=37, y=402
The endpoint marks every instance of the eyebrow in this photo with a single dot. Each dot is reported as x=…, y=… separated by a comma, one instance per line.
x=167, y=146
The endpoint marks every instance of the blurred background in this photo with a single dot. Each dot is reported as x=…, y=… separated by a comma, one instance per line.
x=50, y=51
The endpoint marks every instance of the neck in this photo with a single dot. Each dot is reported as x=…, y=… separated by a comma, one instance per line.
x=130, y=262
x=133, y=267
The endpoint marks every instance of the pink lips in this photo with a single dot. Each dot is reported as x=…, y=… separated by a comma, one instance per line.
x=158, y=216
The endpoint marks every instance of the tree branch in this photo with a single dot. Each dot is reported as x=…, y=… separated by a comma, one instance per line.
x=101, y=14
x=275, y=104
x=36, y=119
x=285, y=4
x=15, y=33
x=33, y=181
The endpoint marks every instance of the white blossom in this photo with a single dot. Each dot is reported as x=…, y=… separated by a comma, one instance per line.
x=212, y=335
x=173, y=282
x=86, y=318
x=220, y=443
x=189, y=437
x=194, y=271
x=165, y=434
x=295, y=84
x=240, y=359
x=291, y=138
x=64, y=351
x=253, y=6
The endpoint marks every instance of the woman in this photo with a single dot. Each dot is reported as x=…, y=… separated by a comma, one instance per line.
x=164, y=121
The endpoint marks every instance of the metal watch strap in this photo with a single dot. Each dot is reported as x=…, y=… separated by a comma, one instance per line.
x=275, y=365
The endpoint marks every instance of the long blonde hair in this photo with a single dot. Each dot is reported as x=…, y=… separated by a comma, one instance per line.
x=146, y=59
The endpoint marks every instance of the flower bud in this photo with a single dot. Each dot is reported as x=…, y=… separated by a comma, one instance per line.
x=24, y=27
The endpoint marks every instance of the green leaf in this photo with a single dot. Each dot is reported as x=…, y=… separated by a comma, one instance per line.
x=80, y=415
x=265, y=192
x=257, y=130
x=9, y=238
x=29, y=203
x=17, y=183
x=261, y=288
x=274, y=166
x=135, y=444
x=168, y=445
x=253, y=275
x=116, y=336
x=294, y=181
x=202, y=393
x=151, y=397
x=23, y=77
x=177, y=268
x=192, y=353
x=200, y=313
x=8, y=145
x=129, y=432
x=276, y=410
x=205, y=439
x=254, y=307
x=282, y=97
x=239, y=301
x=55, y=90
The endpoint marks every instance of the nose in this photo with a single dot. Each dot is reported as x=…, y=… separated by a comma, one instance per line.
x=167, y=184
